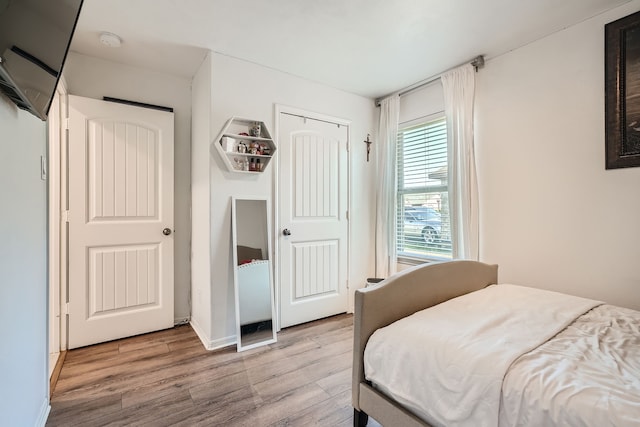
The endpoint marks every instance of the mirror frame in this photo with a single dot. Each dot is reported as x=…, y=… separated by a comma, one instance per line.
x=234, y=243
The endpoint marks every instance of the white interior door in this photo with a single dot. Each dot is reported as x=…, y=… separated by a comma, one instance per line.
x=120, y=206
x=313, y=191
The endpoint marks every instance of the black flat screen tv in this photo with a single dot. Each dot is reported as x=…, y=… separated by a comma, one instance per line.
x=34, y=40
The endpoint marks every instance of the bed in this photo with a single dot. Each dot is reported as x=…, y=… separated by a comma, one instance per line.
x=510, y=355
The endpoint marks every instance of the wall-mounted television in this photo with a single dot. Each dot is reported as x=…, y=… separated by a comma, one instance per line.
x=34, y=41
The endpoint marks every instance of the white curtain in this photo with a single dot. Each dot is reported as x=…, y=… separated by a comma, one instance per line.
x=459, y=90
x=386, y=187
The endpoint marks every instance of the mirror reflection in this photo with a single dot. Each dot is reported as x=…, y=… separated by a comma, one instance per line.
x=253, y=273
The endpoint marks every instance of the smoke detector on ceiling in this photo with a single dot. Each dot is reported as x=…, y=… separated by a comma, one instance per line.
x=110, y=39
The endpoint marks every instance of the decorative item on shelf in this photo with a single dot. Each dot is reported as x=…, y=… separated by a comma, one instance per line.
x=253, y=147
x=368, y=142
x=228, y=143
x=242, y=147
x=256, y=129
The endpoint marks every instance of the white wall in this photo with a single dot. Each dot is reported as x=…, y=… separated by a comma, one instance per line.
x=551, y=216
x=200, y=193
x=95, y=78
x=250, y=91
x=24, y=385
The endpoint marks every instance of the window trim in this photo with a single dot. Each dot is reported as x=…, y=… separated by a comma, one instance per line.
x=402, y=258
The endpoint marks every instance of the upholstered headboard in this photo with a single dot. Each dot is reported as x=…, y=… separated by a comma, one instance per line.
x=407, y=292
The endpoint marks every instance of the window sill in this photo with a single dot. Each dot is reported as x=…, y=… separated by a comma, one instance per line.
x=414, y=261
x=411, y=261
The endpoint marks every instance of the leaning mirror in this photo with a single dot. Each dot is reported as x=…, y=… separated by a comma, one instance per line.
x=253, y=273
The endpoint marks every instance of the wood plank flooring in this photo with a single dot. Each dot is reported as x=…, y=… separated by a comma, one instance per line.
x=167, y=378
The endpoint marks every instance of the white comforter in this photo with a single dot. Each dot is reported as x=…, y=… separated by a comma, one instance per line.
x=460, y=350
x=587, y=375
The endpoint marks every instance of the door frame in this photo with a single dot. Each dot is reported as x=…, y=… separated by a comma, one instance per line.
x=294, y=111
x=57, y=132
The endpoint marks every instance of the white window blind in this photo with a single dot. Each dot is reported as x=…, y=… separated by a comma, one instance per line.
x=424, y=229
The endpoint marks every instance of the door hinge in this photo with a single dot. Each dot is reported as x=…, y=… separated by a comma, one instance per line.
x=347, y=147
x=65, y=308
x=66, y=123
x=65, y=216
x=43, y=168
x=347, y=215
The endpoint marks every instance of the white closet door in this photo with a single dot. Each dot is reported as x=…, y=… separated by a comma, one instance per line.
x=313, y=208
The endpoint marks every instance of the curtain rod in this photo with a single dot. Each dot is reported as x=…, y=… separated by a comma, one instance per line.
x=477, y=62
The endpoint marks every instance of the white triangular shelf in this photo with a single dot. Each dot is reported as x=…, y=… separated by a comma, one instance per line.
x=237, y=132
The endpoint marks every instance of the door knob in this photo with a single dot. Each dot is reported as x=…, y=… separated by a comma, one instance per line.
x=286, y=232
x=166, y=231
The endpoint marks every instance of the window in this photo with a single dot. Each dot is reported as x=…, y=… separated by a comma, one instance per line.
x=424, y=229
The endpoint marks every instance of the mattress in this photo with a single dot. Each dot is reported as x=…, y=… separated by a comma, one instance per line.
x=447, y=363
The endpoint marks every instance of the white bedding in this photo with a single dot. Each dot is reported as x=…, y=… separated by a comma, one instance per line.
x=451, y=373
x=587, y=375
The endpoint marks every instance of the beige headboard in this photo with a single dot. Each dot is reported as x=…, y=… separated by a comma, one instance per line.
x=405, y=293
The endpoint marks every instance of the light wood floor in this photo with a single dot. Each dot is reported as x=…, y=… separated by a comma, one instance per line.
x=168, y=378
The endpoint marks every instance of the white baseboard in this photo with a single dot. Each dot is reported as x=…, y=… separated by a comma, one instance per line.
x=44, y=413
x=222, y=343
x=212, y=344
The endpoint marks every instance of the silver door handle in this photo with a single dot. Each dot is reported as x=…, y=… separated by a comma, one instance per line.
x=286, y=232
x=166, y=231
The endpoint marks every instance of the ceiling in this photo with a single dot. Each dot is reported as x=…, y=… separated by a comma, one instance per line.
x=367, y=47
